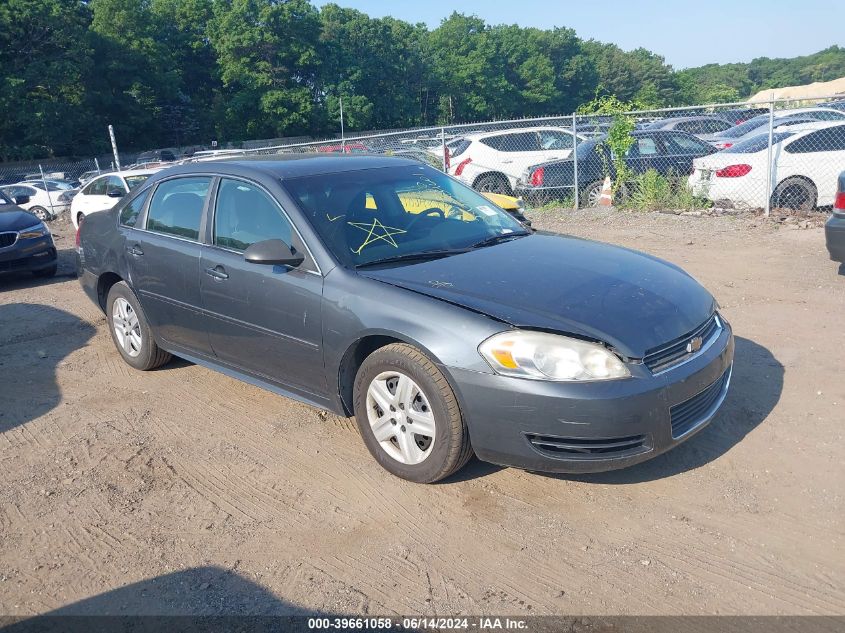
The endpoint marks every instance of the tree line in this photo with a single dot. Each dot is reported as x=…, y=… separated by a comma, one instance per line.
x=179, y=72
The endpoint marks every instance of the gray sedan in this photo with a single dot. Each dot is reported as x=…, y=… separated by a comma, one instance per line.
x=380, y=288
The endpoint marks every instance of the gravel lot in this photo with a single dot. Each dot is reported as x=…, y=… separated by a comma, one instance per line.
x=184, y=491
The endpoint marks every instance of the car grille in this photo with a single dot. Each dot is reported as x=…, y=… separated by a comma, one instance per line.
x=677, y=351
x=581, y=448
x=691, y=413
x=7, y=239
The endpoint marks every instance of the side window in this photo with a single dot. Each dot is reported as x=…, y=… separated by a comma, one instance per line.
x=645, y=146
x=679, y=144
x=96, y=188
x=828, y=140
x=520, y=142
x=176, y=207
x=552, y=139
x=245, y=215
x=694, y=127
x=115, y=183
x=129, y=213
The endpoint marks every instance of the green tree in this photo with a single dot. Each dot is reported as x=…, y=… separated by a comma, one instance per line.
x=269, y=54
x=45, y=61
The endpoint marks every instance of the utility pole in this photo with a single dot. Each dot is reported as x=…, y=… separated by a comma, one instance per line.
x=114, y=147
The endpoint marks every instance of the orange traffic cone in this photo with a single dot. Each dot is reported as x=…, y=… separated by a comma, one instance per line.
x=606, y=198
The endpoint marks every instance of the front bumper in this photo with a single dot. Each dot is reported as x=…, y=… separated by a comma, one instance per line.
x=595, y=426
x=28, y=256
x=834, y=233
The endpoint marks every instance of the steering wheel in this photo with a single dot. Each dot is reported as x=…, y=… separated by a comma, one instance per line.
x=427, y=212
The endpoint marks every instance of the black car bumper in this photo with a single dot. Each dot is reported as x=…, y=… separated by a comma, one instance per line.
x=834, y=231
x=28, y=256
x=596, y=426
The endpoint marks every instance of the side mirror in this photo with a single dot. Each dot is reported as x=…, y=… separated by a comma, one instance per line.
x=273, y=252
x=115, y=193
x=19, y=200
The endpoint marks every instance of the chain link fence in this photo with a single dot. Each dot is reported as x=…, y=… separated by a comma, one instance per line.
x=774, y=154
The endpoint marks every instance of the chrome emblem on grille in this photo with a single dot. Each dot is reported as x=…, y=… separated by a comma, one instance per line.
x=694, y=345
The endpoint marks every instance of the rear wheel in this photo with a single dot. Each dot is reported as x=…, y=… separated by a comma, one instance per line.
x=493, y=183
x=796, y=194
x=41, y=213
x=408, y=415
x=130, y=331
x=592, y=194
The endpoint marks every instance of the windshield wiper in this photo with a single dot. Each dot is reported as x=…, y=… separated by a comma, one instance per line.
x=496, y=239
x=409, y=257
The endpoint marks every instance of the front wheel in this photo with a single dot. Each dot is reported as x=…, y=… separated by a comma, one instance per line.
x=130, y=331
x=41, y=213
x=408, y=415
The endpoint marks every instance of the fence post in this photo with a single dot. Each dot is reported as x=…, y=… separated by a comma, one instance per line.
x=46, y=189
x=443, y=143
x=769, y=156
x=575, y=159
x=97, y=165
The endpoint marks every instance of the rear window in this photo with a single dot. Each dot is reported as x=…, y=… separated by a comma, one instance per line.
x=129, y=213
x=458, y=147
x=744, y=128
x=176, y=207
x=757, y=143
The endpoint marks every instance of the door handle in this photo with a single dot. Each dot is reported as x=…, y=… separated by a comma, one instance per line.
x=135, y=250
x=218, y=273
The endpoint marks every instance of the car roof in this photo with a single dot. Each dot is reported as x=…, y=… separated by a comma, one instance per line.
x=514, y=130
x=809, y=127
x=293, y=165
x=133, y=172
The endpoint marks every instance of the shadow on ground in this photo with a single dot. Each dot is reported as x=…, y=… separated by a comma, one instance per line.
x=34, y=339
x=192, y=600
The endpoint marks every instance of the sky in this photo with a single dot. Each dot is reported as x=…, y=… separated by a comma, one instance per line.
x=686, y=32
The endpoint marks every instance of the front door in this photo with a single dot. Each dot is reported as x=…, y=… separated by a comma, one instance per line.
x=263, y=319
x=165, y=257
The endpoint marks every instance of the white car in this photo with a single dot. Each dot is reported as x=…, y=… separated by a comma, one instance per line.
x=494, y=161
x=806, y=161
x=103, y=192
x=45, y=205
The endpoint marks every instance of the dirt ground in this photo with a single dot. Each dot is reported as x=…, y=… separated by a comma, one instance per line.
x=184, y=491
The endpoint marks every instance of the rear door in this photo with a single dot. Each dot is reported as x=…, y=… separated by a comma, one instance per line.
x=164, y=260
x=818, y=157
x=646, y=153
x=264, y=319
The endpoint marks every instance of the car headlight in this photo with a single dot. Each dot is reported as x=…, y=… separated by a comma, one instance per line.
x=542, y=356
x=37, y=230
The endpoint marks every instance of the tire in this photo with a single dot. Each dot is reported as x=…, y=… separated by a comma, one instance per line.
x=796, y=194
x=41, y=213
x=444, y=452
x=141, y=352
x=493, y=183
x=80, y=218
x=591, y=194
x=47, y=272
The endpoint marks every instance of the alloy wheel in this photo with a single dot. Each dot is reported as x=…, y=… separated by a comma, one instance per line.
x=127, y=329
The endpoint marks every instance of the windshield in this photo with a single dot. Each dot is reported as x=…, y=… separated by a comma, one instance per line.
x=134, y=181
x=756, y=143
x=375, y=214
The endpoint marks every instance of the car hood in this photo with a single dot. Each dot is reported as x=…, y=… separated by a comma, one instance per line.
x=13, y=218
x=630, y=300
